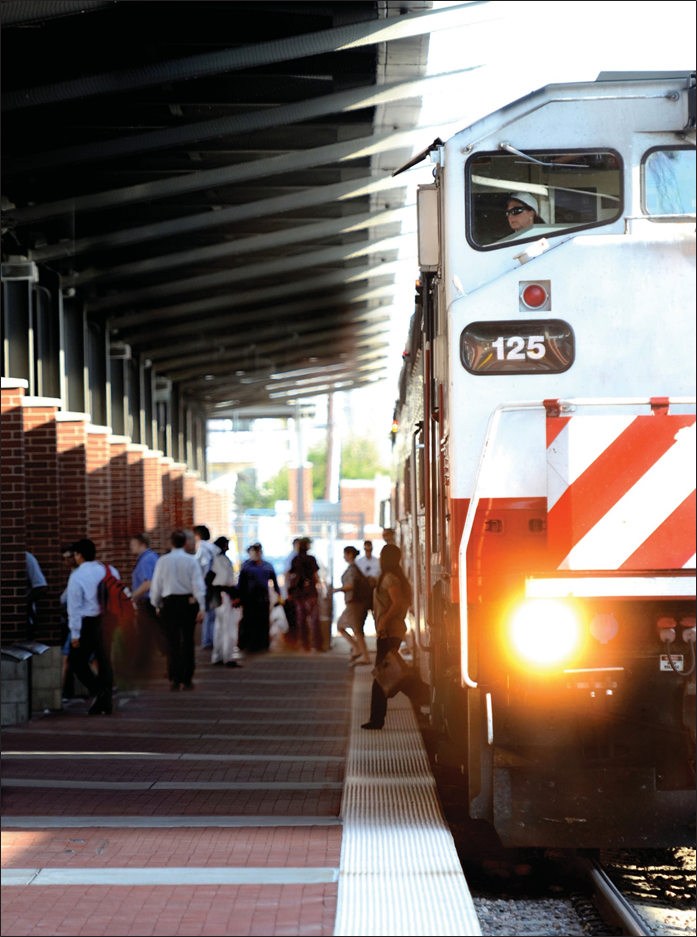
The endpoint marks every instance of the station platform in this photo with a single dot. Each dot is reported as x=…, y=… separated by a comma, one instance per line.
x=253, y=805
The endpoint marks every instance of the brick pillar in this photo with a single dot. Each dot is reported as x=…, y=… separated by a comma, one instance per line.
x=119, y=507
x=201, y=504
x=177, y=471
x=13, y=501
x=190, y=480
x=167, y=524
x=136, y=496
x=42, y=504
x=152, y=493
x=71, y=446
x=99, y=490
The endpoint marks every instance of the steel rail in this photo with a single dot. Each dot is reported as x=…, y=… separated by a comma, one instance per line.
x=613, y=904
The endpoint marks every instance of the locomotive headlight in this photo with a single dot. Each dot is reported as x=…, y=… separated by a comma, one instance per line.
x=545, y=632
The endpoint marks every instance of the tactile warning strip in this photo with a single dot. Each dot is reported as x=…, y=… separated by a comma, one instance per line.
x=399, y=872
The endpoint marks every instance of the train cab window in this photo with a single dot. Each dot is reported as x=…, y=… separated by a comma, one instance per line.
x=668, y=181
x=520, y=198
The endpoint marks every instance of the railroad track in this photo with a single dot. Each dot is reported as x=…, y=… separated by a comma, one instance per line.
x=614, y=907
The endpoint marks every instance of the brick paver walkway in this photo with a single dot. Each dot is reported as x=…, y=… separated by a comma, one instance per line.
x=265, y=744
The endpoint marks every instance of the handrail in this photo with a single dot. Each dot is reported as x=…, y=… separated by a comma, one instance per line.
x=564, y=405
x=415, y=537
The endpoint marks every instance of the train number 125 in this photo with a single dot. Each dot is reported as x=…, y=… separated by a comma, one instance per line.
x=535, y=350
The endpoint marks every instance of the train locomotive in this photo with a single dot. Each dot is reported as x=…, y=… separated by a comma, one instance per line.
x=544, y=443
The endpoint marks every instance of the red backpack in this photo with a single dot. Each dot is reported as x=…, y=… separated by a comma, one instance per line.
x=117, y=607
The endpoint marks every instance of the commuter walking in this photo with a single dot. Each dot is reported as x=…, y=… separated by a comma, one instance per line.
x=85, y=623
x=177, y=589
x=205, y=552
x=289, y=607
x=369, y=565
x=150, y=631
x=255, y=576
x=225, y=602
x=357, y=590
x=36, y=588
x=302, y=589
x=391, y=599
x=68, y=678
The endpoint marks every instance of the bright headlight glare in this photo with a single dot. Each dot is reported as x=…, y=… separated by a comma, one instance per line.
x=544, y=631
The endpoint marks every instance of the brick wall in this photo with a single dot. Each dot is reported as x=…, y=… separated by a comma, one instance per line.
x=177, y=471
x=119, y=507
x=42, y=505
x=152, y=495
x=13, y=505
x=71, y=449
x=357, y=497
x=189, y=498
x=99, y=490
x=63, y=479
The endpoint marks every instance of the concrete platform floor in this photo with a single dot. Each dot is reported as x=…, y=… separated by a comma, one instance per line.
x=191, y=813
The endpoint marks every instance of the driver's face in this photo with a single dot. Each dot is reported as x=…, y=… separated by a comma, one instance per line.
x=522, y=220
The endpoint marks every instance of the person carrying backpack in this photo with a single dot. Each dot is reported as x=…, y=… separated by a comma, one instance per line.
x=359, y=598
x=85, y=613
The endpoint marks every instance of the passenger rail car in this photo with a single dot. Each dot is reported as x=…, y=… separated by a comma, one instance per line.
x=544, y=438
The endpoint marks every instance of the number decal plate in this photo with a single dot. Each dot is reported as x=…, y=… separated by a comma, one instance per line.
x=522, y=346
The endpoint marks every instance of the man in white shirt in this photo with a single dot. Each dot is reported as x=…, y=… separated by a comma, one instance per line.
x=368, y=564
x=178, y=591
x=85, y=623
x=205, y=554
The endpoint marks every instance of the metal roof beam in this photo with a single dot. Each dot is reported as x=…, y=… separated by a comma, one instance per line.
x=210, y=220
x=331, y=387
x=338, y=39
x=224, y=175
x=255, y=334
x=19, y=11
x=253, y=297
x=207, y=348
x=284, y=115
x=262, y=371
x=232, y=407
x=261, y=377
x=279, y=340
x=248, y=272
x=259, y=242
x=330, y=371
x=185, y=336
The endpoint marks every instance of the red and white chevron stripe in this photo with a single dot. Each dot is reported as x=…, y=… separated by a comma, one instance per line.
x=621, y=492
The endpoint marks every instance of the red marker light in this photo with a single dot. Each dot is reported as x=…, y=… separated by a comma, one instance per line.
x=534, y=296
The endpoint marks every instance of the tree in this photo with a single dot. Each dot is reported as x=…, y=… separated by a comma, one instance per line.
x=360, y=458
x=318, y=456
x=249, y=495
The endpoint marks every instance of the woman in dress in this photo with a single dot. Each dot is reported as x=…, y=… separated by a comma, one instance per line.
x=391, y=602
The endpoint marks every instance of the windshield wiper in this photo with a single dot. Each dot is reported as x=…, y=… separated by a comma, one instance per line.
x=538, y=162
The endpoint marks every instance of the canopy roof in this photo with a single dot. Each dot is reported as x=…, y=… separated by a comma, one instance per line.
x=214, y=179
